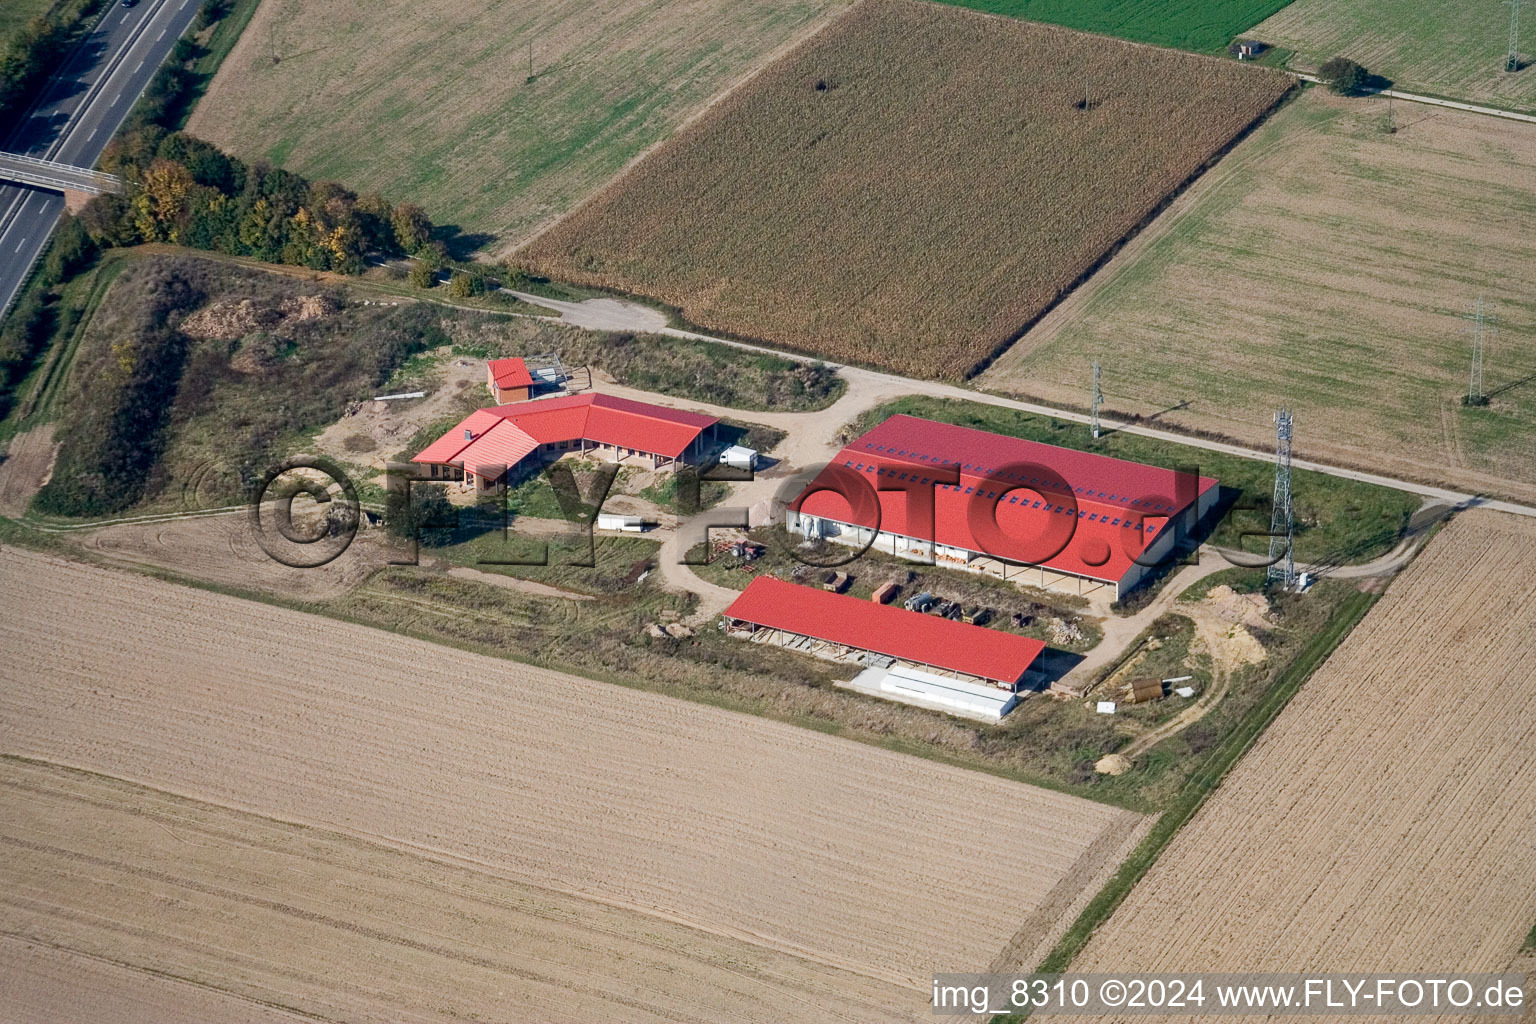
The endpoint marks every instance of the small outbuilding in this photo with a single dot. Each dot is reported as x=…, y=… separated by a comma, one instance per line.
x=509, y=380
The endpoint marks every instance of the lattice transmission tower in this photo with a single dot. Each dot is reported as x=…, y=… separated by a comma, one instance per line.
x=1481, y=328
x=1282, y=525
x=1512, y=62
x=1098, y=399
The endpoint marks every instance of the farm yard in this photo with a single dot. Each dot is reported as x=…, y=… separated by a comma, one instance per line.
x=240, y=336
x=703, y=849
x=1456, y=50
x=1328, y=266
x=1326, y=847
x=442, y=106
x=1013, y=156
x=1201, y=25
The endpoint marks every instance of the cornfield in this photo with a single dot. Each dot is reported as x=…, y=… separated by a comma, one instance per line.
x=912, y=186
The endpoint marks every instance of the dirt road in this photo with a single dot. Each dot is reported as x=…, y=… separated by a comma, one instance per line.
x=748, y=834
x=864, y=385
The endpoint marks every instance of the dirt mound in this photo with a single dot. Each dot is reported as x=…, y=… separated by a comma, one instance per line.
x=1248, y=609
x=227, y=321
x=1112, y=764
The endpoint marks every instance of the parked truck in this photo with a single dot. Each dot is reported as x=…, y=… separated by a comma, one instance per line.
x=626, y=524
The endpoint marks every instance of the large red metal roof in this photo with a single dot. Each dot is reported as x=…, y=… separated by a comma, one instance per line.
x=1072, y=511
x=496, y=436
x=910, y=636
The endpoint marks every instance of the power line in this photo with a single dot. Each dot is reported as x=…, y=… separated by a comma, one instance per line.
x=1282, y=526
x=1481, y=328
x=1098, y=399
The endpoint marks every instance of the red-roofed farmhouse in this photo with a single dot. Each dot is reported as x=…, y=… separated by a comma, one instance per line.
x=1014, y=508
x=490, y=445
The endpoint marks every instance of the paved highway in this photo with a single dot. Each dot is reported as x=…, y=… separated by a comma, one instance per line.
x=73, y=120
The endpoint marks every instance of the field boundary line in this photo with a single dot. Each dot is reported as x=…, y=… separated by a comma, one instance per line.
x=1199, y=788
x=765, y=61
x=29, y=537
x=1434, y=101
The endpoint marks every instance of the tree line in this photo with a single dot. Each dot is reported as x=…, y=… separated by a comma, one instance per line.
x=188, y=192
x=32, y=54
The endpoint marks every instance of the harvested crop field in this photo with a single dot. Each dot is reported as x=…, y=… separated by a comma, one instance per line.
x=434, y=103
x=1383, y=822
x=911, y=186
x=735, y=844
x=1328, y=266
x=1445, y=49
x=46, y=985
x=124, y=874
x=222, y=549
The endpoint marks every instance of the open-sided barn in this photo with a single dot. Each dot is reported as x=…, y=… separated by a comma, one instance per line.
x=924, y=659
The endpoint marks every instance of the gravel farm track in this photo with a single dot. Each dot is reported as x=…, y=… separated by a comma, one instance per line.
x=1384, y=822
x=419, y=833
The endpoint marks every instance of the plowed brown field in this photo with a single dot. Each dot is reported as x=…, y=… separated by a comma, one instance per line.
x=222, y=549
x=1384, y=822
x=679, y=841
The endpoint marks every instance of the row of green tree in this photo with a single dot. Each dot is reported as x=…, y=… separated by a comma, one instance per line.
x=36, y=316
x=188, y=192
x=33, y=53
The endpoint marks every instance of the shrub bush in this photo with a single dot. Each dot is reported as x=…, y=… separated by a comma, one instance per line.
x=1342, y=75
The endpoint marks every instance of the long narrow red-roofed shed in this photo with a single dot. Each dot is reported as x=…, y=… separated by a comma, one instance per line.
x=927, y=640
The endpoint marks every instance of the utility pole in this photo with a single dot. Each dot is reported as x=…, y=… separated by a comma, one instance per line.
x=1481, y=328
x=1098, y=400
x=1282, y=526
x=1512, y=62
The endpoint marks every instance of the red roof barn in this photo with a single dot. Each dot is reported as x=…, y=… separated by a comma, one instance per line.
x=927, y=640
x=1000, y=502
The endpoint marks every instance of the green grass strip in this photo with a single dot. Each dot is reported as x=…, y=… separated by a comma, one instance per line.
x=1200, y=786
x=221, y=41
